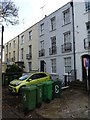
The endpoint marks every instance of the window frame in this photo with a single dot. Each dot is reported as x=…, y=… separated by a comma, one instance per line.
x=53, y=65
x=30, y=35
x=66, y=16
x=53, y=23
x=67, y=64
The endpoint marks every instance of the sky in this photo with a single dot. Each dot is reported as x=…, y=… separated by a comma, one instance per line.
x=30, y=12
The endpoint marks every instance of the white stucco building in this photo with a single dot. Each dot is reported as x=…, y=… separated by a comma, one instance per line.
x=58, y=43
x=64, y=41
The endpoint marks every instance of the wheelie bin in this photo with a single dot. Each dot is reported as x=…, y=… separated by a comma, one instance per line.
x=39, y=91
x=29, y=97
x=56, y=89
x=47, y=91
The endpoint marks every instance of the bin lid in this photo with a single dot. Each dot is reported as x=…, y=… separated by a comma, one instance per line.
x=48, y=82
x=30, y=88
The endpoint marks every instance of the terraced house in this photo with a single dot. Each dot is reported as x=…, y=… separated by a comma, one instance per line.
x=58, y=43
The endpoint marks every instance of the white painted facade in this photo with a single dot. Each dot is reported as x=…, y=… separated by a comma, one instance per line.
x=52, y=42
x=80, y=32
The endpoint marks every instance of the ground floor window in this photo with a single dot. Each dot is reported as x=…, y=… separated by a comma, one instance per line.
x=67, y=63
x=30, y=66
x=53, y=65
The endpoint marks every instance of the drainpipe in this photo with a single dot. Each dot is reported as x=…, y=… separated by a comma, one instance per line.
x=74, y=56
x=18, y=49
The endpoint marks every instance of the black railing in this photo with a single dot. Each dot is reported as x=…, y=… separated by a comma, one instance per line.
x=29, y=56
x=66, y=47
x=87, y=43
x=67, y=79
x=42, y=52
x=53, y=50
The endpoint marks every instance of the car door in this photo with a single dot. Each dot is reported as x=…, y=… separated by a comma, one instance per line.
x=34, y=79
x=42, y=77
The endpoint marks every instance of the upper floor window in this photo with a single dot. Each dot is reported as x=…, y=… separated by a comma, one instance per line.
x=66, y=16
x=42, y=44
x=30, y=48
x=53, y=23
x=13, y=55
x=53, y=41
x=30, y=35
x=10, y=46
x=67, y=38
x=88, y=25
x=42, y=29
x=87, y=5
x=22, y=39
x=14, y=43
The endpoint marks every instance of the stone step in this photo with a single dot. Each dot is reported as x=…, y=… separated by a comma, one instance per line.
x=78, y=84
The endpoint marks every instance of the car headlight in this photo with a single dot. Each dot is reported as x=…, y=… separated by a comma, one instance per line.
x=18, y=83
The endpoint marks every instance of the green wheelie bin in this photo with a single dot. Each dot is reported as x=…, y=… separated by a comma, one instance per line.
x=39, y=91
x=47, y=91
x=56, y=89
x=29, y=97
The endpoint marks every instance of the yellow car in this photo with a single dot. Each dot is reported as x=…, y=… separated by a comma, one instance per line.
x=35, y=78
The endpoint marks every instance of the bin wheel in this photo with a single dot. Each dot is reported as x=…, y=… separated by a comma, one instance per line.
x=20, y=90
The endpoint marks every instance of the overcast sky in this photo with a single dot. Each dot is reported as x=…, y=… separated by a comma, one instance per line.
x=30, y=12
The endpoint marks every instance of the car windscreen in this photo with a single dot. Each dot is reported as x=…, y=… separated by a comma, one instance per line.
x=23, y=77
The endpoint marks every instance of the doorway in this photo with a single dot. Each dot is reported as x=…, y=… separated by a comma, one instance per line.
x=84, y=74
x=42, y=66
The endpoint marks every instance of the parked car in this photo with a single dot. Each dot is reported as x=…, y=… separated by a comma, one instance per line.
x=28, y=79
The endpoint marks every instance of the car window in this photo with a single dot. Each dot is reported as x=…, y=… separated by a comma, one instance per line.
x=23, y=77
x=37, y=76
x=41, y=75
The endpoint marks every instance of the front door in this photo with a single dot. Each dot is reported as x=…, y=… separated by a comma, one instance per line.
x=84, y=73
x=42, y=65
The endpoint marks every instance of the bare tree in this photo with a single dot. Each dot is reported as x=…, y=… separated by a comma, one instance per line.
x=8, y=12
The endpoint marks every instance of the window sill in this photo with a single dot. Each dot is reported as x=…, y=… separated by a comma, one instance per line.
x=52, y=30
x=41, y=35
x=86, y=12
x=66, y=24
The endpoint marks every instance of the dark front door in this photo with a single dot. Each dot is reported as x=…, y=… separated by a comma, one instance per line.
x=42, y=65
x=84, y=74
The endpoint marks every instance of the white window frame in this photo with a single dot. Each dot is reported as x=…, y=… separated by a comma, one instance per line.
x=42, y=29
x=14, y=55
x=30, y=66
x=67, y=64
x=22, y=39
x=30, y=35
x=14, y=43
x=87, y=5
x=22, y=50
x=66, y=16
x=67, y=37
x=53, y=23
x=42, y=44
x=53, y=66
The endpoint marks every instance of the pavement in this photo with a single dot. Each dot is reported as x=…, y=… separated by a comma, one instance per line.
x=73, y=103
